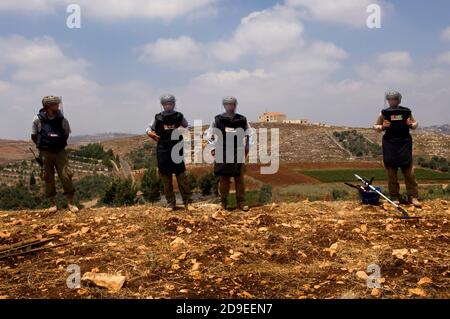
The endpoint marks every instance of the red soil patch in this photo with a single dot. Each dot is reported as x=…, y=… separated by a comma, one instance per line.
x=284, y=176
x=288, y=173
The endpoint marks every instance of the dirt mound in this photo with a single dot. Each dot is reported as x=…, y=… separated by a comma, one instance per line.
x=302, y=250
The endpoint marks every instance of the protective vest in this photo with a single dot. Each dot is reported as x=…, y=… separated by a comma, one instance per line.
x=230, y=139
x=397, y=140
x=51, y=136
x=165, y=125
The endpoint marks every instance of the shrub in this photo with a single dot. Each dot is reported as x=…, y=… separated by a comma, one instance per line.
x=32, y=180
x=151, y=185
x=433, y=164
x=207, y=183
x=120, y=193
x=192, y=180
x=265, y=194
x=144, y=157
x=338, y=194
x=357, y=144
x=92, y=186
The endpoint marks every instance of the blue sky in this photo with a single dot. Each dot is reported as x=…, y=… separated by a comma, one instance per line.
x=309, y=59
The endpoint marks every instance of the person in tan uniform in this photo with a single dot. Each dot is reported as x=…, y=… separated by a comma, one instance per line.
x=396, y=122
x=50, y=132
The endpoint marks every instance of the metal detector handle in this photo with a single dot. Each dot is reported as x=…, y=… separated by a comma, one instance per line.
x=352, y=186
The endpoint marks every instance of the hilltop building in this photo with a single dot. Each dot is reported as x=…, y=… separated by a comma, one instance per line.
x=272, y=117
x=278, y=117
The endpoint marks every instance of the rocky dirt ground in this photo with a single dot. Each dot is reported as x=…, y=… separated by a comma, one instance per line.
x=302, y=250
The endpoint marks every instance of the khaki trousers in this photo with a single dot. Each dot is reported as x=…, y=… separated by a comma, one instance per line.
x=183, y=185
x=57, y=162
x=239, y=184
x=412, y=187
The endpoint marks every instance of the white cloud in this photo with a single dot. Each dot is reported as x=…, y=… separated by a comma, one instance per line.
x=444, y=58
x=38, y=67
x=39, y=59
x=261, y=33
x=114, y=9
x=445, y=35
x=395, y=59
x=347, y=12
x=180, y=52
x=224, y=78
x=319, y=60
x=162, y=9
x=45, y=6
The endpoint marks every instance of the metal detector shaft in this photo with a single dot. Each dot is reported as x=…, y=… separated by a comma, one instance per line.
x=37, y=159
x=404, y=212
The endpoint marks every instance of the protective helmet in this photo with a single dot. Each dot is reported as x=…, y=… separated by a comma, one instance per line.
x=168, y=98
x=229, y=100
x=394, y=95
x=51, y=100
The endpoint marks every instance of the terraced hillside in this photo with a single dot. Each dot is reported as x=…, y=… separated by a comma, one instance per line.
x=298, y=143
x=309, y=143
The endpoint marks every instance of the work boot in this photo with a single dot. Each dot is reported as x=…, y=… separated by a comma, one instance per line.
x=223, y=205
x=52, y=209
x=244, y=208
x=396, y=200
x=172, y=207
x=414, y=201
x=73, y=209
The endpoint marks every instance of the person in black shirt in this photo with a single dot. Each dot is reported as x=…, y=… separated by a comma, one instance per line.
x=397, y=121
x=161, y=129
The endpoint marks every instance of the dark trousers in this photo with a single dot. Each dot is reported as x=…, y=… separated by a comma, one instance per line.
x=183, y=185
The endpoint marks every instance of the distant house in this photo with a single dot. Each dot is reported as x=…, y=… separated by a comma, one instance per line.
x=302, y=121
x=272, y=117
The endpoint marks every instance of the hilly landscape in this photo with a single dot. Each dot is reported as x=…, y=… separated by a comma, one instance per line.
x=305, y=236
x=299, y=250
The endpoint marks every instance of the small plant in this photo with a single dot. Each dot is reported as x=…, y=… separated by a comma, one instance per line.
x=192, y=180
x=338, y=194
x=151, y=185
x=206, y=184
x=265, y=194
x=120, y=193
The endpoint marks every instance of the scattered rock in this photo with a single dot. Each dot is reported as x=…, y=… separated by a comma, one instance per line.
x=4, y=234
x=424, y=281
x=376, y=293
x=400, y=253
x=111, y=282
x=177, y=243
x=54, y=231
x=333, y=249
x=417, y=292
x=361, y=275
x=236, y=255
